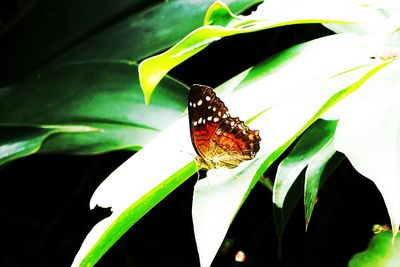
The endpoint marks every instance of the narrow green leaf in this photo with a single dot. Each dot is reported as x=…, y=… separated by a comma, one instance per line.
x=309, y=144
x=382, y=251
x=321, y=166
x=312, y=142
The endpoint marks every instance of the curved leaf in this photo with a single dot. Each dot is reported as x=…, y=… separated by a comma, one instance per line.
x=321, y=166
x=102, y=95
x=310, y=144
x=152, y=70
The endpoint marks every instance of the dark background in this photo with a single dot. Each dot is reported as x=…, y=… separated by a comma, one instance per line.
x=45, y=212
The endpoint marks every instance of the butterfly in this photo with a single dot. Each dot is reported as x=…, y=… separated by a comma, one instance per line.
x=218, y=139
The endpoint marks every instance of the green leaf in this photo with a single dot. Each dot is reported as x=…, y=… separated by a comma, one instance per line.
x=103, y=95
x=310, y=144
x=221, y=22
x=383, y=251
x=17, y=142
x=321, y=166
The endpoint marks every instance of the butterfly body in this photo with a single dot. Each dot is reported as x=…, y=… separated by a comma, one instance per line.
x=219, y=139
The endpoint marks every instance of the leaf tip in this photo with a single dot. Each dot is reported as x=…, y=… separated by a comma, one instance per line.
x=217, y=11
x=148, y=78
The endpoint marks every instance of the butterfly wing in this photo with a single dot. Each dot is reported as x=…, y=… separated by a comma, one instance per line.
x=204, y=107
x=237, y=141
x=218, y=139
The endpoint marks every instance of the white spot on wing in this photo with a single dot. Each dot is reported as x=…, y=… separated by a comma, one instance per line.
x=209, y=118
x=216, y=119
x=190, y=104
x=194, y=123
x=214, y=109
x=208, y=98
x=225, y=116
x=200, y=119
x=200, y=102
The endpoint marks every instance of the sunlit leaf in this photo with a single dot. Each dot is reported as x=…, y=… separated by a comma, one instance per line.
x=137, y=186
x=368, y=134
